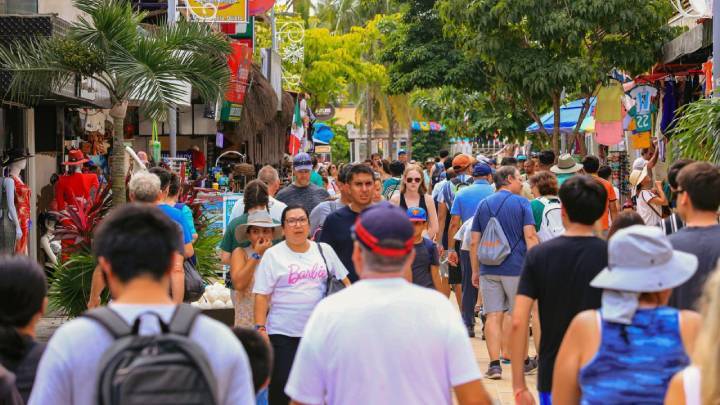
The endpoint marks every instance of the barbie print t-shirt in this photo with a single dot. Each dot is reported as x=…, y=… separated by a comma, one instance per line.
x=295, y=282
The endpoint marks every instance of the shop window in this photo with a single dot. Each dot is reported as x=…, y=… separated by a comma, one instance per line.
x=18, y=6
x=12, y=128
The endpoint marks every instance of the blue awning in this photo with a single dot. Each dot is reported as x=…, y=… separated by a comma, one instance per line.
x=323, y=134
x=569, y=115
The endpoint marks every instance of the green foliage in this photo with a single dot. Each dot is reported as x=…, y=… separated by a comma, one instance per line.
x=697, y=131
x=342, y=15
x=70, y=284
x=205, y=248
x=419, y=56
x=427, y=144
x=340, y=144
x=534, y=50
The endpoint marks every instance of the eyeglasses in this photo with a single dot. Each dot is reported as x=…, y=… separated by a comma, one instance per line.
x=296, y=221
x=413, y=179
x=680, y=191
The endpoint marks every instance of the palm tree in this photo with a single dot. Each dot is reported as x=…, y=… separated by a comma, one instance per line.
x=143, y=65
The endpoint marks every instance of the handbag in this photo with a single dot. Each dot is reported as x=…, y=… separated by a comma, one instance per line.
x=333, y=285
x=194, y=284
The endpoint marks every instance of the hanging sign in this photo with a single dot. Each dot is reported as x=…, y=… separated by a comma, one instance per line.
x=219, y=10
x=240, y=64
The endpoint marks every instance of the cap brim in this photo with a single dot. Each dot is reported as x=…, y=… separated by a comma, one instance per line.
x=674, y=273
x=574, y=169
x=417, y=220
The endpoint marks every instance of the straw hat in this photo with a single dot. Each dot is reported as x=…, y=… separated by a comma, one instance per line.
x=260, y=219
x=566, y=164
x=636, y=177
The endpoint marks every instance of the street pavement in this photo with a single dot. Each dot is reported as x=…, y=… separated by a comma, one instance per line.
x=500, y=390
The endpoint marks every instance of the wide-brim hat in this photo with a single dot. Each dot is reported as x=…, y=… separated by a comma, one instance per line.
x=566, y=164
x=75, y=158
x=641, y=259
x=15, y=155
x=260, y=219
x=636, y=177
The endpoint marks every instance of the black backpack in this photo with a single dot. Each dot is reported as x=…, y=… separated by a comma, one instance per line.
x=167, y=368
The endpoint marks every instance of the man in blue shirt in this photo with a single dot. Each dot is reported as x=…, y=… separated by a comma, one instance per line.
x=499, y=283
x=463, y=208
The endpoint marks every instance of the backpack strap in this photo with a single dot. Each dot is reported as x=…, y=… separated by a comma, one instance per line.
x=110, y=320
x=183, y=319
x=501, y=205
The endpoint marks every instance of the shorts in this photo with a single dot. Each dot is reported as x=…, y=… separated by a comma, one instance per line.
x=498, y=292
x=455, y=275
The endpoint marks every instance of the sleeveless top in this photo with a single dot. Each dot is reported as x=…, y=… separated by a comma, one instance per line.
x=691, y=385
x=423, y=204
x=243, y=301
x=635, y=363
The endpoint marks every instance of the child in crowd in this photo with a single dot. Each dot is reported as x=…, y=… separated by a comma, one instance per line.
x=425, y=267
x=260, y=355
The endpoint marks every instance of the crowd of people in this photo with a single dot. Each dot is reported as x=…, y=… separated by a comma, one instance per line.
x=342, y=284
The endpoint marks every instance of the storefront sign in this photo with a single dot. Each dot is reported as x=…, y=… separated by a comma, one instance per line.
x=325, y=113
x=218, y=10
x=323, y=149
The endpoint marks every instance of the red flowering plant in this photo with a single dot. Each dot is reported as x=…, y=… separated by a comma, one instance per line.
x=71, y=279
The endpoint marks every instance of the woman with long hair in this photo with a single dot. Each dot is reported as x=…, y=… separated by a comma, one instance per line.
x=333, y=188
x=23, y=299
x=413, y=193
x=687, y=386
x=629, y=349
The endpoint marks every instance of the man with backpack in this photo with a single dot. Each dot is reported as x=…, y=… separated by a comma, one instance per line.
x=557, y=274
x=114, y=355
x=546, y=207
x=391, y=185
x=464, y=207
x=502, y=231
x=438, y=172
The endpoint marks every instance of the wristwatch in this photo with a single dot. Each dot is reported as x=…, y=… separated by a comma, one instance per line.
x=256, y=256
x=259, y=327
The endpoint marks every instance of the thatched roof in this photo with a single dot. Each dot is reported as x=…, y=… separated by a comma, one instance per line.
x=260, y=115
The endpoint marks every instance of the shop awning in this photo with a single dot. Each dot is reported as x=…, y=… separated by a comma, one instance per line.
x=427, y=126
x=323, y=134
x=569, y=116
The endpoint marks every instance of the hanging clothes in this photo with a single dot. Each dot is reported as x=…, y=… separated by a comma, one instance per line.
x=707, y=69
x=609, y=103
x=22, y=206
x=643, y=120
x=643, y=95
x=609, y=133
x=669, y=106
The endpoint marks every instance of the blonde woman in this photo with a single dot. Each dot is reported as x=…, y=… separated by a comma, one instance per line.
x=413, y=193
x=687, y=386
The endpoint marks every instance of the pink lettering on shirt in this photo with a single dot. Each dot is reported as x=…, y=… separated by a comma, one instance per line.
x=295, y=274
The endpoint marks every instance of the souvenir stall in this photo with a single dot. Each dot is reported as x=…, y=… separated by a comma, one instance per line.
x=427, y=138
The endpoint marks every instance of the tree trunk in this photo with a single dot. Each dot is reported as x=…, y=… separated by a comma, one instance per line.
x=369, y=106
x=118, y=171
x=556, y=125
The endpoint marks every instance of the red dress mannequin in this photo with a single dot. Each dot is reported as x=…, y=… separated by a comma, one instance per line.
x=76, y=184
x=18, y=163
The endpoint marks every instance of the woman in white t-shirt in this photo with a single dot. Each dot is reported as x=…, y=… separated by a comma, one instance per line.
x=686, y=387
x=649, y=200
x=289, y=282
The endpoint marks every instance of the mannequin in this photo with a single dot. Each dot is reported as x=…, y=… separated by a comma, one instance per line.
x=52, y=248
x=17, y=203
x=10, y=230
x=75, y=184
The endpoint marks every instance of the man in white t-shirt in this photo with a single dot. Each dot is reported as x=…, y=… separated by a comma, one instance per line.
x=269, y=176
x=136, y=248
x=384, y=340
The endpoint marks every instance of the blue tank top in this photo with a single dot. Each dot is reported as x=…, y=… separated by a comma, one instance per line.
x=635, y=363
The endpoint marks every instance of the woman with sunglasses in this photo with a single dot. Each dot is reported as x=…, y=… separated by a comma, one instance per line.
x=289, y=282
x=413, y=193
x=333, y=188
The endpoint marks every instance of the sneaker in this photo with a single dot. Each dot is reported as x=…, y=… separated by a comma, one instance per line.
x=504, y=360
x=494, y=373
x=471, y=331
x=531, y=366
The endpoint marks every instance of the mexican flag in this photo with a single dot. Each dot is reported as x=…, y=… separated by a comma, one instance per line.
x=297, y=134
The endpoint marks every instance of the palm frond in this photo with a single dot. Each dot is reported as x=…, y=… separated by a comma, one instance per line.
x=70, y=284
x=111, y=23
x=697, y=131
x=193, y=37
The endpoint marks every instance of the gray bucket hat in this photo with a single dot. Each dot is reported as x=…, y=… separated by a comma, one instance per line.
x=641, y=259
x=261, y=219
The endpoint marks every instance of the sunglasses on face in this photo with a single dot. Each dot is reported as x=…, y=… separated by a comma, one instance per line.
x=413, y=179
